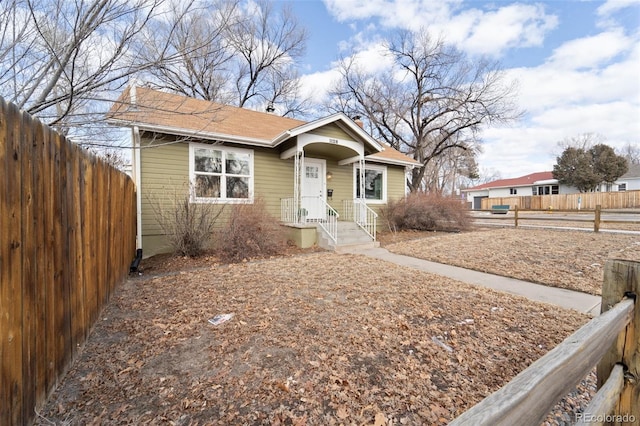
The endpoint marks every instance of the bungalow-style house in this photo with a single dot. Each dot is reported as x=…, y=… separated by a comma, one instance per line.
x=629, y=181
x=542, y=183
x=326, y=179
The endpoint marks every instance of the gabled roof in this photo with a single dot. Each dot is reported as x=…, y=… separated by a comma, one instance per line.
x=156, y=111
x=526, y=180
x=632, y=173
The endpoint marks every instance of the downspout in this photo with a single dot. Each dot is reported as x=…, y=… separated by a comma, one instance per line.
x=135, y=136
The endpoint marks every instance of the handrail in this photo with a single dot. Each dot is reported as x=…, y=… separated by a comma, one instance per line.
x=529, y=397
x=363, y=215
x=290, y=213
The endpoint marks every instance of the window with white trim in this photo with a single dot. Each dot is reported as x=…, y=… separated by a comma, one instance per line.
x=622, y=186
x=220, y=173
x=375, y=183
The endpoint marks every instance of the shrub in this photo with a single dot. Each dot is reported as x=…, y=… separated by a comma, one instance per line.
x=426, y=212
x=250, y=232
x=187, y=226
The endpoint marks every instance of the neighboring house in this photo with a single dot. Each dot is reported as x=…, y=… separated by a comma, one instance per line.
x=629, y=181
x=543, y=183
x=306, y=173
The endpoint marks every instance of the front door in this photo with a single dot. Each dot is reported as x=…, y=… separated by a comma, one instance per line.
x=313, y=192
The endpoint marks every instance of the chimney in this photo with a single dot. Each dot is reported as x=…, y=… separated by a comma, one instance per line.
x=358, y=121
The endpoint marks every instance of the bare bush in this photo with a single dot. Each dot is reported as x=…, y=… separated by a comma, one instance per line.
x=250, y=232
x=426, y=212
x=187, y=226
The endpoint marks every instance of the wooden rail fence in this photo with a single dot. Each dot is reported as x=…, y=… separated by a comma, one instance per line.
x=611, y=340
x=67, y=237
x=553, y=216
x=586, y=200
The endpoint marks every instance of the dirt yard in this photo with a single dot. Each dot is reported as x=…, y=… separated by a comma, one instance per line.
x=317, y=339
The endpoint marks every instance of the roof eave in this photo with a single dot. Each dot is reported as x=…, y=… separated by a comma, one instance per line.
x=192, y=133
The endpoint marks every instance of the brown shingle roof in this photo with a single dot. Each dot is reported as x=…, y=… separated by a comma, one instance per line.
x=171, y=113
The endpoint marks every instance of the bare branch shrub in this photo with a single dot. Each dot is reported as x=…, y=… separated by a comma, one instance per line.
x=426, y=212
x=250, y=232
x=187, y=226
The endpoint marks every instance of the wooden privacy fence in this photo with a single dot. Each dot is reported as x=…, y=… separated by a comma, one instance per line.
x=67, y=236
x=587, y=200
x=612, y=341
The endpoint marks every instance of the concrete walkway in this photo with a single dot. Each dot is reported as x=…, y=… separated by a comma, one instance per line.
x=582, y=302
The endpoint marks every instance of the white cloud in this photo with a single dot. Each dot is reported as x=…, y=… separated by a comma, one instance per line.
x=591, y=51
x=614, y=5
x=476, y=31
x=315, y=86
x=516, y=25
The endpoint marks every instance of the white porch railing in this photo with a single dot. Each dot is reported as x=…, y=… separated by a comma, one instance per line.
x=291, y=213
x=288, y=211
x=358, y=211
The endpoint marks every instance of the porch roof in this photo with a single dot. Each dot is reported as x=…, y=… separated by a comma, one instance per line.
x=161, y=112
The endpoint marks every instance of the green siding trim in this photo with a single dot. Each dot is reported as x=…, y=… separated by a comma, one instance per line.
x=332, y=131
x=273, y=179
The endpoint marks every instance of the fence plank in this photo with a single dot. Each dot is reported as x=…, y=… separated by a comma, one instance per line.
x=10, y=266
x=622, y=277
x=605, y=400
x=527, y=398
x=29, y=284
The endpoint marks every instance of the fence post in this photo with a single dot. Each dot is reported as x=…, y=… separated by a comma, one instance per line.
x=596, y=220
x=516, y=215
x=623, y=277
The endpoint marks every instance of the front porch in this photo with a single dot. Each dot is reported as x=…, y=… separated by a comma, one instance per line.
x=330, y=230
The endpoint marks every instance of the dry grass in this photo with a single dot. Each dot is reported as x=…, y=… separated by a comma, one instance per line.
x=321, y=338
x=566, y=259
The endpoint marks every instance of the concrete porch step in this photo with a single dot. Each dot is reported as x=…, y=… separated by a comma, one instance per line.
x=350, y=236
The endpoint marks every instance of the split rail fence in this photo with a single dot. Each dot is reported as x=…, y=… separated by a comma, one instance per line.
x=67, y=237
x=540, y=216
x=611, y=340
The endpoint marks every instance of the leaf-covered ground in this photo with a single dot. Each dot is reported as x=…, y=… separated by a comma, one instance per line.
x=566, y=259
x=316, y=339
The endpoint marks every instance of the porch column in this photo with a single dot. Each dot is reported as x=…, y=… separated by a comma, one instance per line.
x=361, y=168
x=297, y=183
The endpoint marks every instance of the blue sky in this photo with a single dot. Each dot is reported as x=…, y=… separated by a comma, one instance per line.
x=577, y=63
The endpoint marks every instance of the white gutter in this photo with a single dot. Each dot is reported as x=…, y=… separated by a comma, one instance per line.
x=135, y=143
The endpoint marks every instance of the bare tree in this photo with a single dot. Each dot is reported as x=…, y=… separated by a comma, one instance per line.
x=191, y=51
x=231, y=52
x=58, y=58
x=631, y=152
x=267, y=44
x=432, y=101
x=583, y=141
